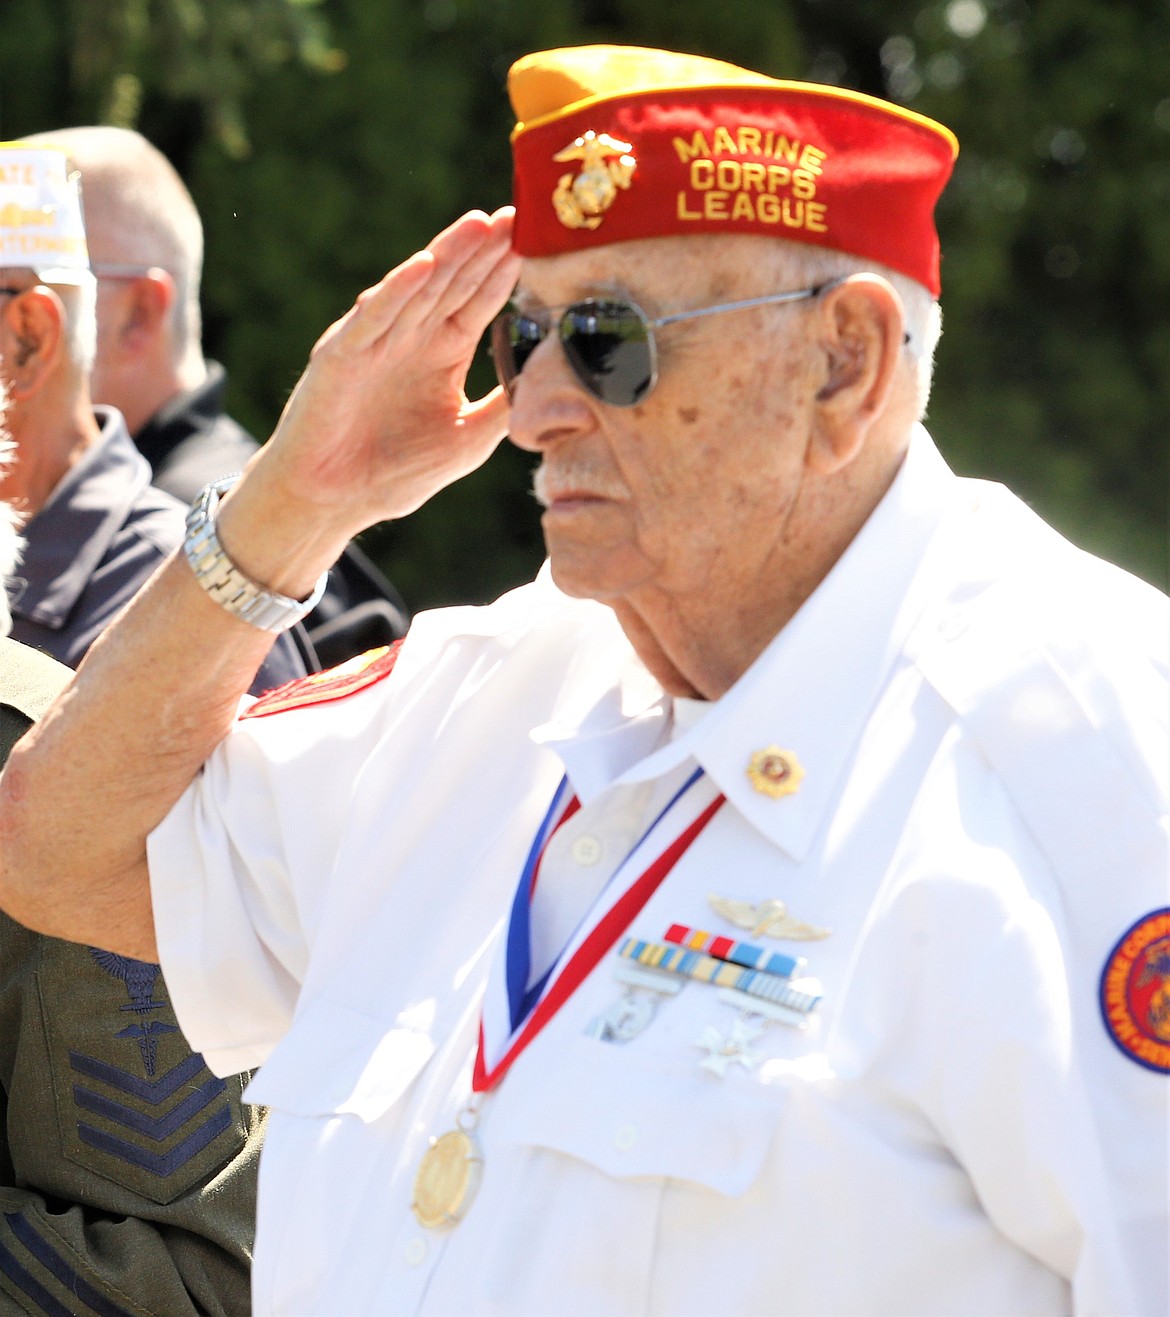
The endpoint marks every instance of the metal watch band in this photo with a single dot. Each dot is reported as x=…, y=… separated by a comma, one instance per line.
x=223, y=580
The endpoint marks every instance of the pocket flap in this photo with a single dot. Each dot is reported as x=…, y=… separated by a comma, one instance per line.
x=605, y=1106
x=335, y=1060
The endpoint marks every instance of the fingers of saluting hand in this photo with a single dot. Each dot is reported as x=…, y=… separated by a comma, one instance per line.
x=378, y=309
x=456, y=284
x=477, y=280
x=387, y=382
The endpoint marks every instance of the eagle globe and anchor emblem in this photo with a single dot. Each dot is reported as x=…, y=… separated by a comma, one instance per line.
x=1153, y=979
x=581, y=200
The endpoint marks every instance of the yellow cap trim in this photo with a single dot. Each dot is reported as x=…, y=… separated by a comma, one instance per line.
x=750, y=80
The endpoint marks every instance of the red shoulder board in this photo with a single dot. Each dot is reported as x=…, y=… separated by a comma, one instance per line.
x=354, y=674
x=1135, y=992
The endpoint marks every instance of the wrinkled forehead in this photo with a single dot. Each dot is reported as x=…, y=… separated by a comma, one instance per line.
x=658, y=273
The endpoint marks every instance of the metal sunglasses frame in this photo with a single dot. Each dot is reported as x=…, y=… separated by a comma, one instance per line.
x=555, y=317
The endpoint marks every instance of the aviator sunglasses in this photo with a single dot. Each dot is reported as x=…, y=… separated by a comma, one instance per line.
x=608, y=342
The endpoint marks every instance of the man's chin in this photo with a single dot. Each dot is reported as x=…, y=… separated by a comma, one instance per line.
x=584, y=574
x=569, y=578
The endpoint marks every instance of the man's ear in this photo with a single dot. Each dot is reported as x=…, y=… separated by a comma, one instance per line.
x=861, y=330
x=143, y=307
x=32, y=340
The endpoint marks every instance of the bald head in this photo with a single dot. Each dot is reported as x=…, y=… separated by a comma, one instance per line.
x=139, y=219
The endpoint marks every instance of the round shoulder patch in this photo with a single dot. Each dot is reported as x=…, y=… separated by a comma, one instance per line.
x=1135, y=991
x=354, y=674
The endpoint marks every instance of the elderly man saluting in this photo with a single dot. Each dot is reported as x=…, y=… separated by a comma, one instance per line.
x=762, y=911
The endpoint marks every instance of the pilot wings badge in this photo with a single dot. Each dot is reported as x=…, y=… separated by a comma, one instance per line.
x=766, y=919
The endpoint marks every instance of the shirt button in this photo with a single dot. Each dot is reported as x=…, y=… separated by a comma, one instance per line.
x=415, y=1252
x=625, y=1137
x=586, y=850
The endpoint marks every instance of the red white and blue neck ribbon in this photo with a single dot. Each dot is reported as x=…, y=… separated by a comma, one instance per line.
x=518, y=960
x=514, y=1011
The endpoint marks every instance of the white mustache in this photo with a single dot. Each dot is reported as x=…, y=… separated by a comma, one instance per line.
x=573, y=476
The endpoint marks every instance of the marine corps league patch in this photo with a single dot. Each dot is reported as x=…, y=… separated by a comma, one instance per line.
x=333, y=684
x=1135, y=991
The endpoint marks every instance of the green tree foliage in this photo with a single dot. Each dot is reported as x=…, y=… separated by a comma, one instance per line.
x=106, y=55
x=325, y=142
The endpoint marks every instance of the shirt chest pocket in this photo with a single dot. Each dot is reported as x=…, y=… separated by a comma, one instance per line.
x=633, y=1117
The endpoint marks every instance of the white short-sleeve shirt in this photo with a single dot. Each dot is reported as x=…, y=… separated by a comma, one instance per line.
x=980, y=712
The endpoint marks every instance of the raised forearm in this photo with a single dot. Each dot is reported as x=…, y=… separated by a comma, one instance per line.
x=83, y=789
x=377, y=424
x=154, y=696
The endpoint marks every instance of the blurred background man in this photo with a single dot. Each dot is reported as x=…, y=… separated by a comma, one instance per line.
x=94, y=527
x=146, y=243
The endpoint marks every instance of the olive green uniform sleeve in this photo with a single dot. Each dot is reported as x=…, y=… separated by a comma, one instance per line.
x=127, y=1170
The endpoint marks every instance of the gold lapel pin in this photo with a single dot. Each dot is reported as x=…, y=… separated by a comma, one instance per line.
x=774, y=772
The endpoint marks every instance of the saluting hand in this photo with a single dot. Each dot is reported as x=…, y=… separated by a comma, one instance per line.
x=380, y=420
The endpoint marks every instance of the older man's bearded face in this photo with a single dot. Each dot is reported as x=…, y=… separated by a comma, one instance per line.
x=690, y=492
x=9, y=539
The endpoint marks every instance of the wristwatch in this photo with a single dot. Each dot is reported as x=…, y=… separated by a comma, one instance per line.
x=223, y=580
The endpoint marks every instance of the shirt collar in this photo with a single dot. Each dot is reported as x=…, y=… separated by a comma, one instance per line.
x=70, y=535
x=809, y=692
x=198, y=409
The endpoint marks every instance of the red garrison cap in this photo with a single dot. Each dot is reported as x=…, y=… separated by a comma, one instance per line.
x=617, y=142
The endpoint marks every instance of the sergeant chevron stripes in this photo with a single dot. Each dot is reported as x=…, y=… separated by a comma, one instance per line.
x=153, y=1091
x=153, y=1127
x=156, y=1128
x=159, y=1163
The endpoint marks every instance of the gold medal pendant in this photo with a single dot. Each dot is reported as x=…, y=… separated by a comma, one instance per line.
x=447, y=1179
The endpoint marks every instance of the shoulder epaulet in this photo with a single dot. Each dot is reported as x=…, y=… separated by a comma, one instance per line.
x=1075, y=785
x=333, y=684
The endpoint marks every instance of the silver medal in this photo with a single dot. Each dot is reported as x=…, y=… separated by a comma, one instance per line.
x=636, y=1007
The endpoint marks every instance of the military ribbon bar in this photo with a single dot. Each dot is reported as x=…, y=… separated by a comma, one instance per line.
x=723, y=974
x=738, y=953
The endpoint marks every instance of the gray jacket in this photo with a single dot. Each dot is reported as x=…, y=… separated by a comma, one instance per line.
x=93, y=546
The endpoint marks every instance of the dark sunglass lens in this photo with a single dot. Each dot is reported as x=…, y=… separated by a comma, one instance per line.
x=514, y=339
x=608, y=346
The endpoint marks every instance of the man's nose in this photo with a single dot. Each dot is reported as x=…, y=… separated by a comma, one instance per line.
x=548, y=401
